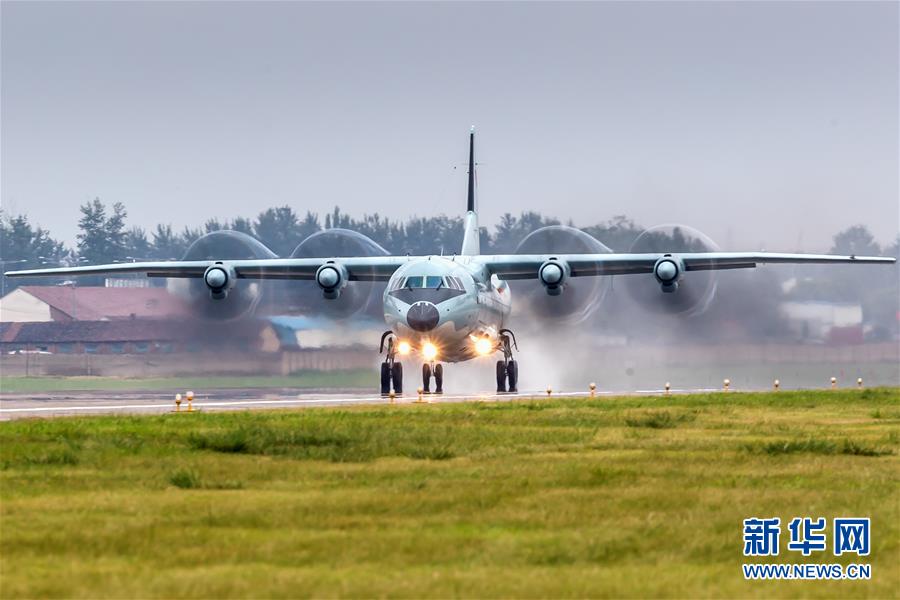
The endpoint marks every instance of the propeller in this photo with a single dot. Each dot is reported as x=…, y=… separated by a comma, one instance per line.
x=579, y=297
x=692, y=293
x=217, y=295
x=353, y=298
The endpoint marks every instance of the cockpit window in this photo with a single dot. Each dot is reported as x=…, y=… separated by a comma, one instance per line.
x=433, y=282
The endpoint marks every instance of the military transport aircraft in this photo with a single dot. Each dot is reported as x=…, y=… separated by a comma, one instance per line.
x=442, y=308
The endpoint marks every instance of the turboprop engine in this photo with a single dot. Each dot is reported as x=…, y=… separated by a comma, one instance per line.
x=219, y=294
x=561, y=298
x=343, y=297
x=669, y=289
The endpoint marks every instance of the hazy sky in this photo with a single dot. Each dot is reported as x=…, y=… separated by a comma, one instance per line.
x=758, y=123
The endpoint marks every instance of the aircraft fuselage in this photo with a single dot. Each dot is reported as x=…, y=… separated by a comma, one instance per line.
x=450, y=302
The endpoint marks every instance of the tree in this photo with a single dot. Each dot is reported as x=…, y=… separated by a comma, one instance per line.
x=243, y=225
x=92, y=247
x=512, y=230
x=25, y=247
x=617, y=233
x=278, y=228
x=102, y=238
x=138, y=245
x=166, y=244
x=855, y=240
x=117, y=248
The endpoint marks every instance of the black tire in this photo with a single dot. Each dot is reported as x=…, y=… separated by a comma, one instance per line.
x=438, y=379
x=512, y=374
x=426, y=378
x=397, y=378
x=501, y=377
x=385, y=379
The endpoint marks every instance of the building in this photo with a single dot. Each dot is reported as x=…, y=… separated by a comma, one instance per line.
x=135, y=336
x=50, y=303
x=832, y=322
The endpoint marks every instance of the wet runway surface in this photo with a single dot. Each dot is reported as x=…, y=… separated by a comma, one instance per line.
x=17, y=406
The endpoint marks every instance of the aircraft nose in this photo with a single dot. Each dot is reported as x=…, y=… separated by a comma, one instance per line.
x=423, y=316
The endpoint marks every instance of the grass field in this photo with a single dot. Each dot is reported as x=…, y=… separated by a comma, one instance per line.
x=357, y=378
x=605, y=497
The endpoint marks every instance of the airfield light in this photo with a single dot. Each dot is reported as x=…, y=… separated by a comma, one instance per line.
x=859, y=382
x=429, y=351
x=593, y=388
x=833, y=382
x=483, y=346
x=404, y=347
x=727, y=384
x=777, y=385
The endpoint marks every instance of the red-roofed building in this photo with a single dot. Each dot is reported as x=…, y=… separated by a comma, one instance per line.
x=135, y=336
x=34, y=303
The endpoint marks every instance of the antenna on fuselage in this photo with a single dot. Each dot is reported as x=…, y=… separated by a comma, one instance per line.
x=470, y=206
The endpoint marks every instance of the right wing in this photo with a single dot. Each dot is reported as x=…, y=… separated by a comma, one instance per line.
x=363, y=268
x=526, y=266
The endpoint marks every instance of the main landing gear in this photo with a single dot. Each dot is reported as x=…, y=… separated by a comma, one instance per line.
x=391, y=369
x=508, y=368
x=429, y=369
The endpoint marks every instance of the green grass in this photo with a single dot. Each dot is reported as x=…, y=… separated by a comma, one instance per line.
x=351, y=379
x=604, y=497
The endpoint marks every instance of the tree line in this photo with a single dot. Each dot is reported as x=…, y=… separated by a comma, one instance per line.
x=105, y=237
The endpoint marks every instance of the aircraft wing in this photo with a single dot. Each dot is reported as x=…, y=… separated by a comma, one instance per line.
x=364, y=268
x=526, y=266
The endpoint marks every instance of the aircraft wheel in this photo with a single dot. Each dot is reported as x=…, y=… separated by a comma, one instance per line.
x=438, y=379
x=426, y=378
x=385, y=379
x=397, y=377
x=512, y=373
x=501, y=376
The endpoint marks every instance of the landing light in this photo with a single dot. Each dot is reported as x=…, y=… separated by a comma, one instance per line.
x=429, y=351
x=483, y=346
x=404, y=347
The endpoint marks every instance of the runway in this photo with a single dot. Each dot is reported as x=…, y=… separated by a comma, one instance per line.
x=17, y=406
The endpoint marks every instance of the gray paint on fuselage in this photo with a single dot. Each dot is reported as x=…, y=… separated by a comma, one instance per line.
x=479, y=310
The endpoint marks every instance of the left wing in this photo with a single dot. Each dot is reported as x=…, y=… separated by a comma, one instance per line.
x=364, y=268
x=527, y=266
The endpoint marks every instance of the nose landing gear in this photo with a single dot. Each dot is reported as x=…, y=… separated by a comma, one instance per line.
x=391, y=369
x=508, y=368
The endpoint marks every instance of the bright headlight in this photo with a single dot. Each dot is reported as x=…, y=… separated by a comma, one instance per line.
x=483, y=346
x=404, y=347
x=429, y=351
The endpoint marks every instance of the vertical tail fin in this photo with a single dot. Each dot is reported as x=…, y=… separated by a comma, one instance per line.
x=471, y=245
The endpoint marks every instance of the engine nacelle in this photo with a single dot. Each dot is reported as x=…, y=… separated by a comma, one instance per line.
x=332, y=277
x=219, y=278
x=668, y=270
x=553, y=274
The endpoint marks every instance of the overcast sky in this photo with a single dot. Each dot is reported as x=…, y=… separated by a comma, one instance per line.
x=766, y=125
